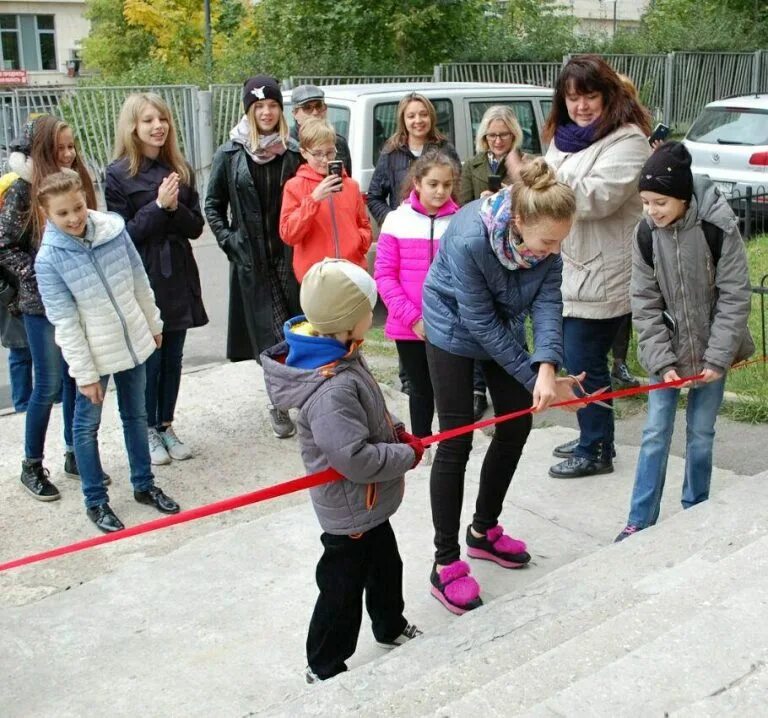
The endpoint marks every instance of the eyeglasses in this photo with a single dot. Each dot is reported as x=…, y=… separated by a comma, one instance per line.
x=322, y=155
x=311, y=107
x=493, y=136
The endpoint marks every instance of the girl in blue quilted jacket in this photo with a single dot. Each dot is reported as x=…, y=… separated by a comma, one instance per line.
x=97, y=296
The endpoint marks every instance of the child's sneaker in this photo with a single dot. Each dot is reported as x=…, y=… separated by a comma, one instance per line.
x=409, y=633
x=175, y=447
x=72, y=472
x=311, y=677
x=428, y=457
x=628, y=531
x=455, y=588
x=496, y=546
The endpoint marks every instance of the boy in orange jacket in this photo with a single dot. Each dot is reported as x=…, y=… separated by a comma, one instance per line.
x=323, y=215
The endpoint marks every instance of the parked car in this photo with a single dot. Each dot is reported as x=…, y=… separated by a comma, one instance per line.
x=365, y=115
x=729, y=143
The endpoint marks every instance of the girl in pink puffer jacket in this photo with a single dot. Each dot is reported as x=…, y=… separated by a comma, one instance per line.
x=409, y=240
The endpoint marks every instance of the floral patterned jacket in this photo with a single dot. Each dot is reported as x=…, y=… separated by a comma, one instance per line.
x=17, y=250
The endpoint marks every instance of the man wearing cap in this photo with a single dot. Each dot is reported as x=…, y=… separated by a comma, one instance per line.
x=308, y=101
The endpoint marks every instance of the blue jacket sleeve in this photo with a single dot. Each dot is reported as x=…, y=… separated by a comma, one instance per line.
x=477, y=308
x=547, y=314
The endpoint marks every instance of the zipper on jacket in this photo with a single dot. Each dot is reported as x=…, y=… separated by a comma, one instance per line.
x=114, y=304
x=431, y=237
x=694, y=361
x=335, y=230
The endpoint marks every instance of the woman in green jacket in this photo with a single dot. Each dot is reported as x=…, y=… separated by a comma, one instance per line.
x=499, y=134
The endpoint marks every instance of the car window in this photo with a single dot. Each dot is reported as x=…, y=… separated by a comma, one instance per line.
x=385, y=119
x=525, y=116
x=337, y=116
x=546, y=108
x=730, y=126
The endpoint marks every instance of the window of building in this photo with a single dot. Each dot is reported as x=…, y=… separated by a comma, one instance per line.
x=27, y=42
x=10, y=43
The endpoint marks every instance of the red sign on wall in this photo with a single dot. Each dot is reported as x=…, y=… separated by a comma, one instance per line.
x=13, y=77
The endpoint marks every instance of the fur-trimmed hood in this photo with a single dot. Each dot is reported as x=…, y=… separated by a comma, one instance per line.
x=21, y=164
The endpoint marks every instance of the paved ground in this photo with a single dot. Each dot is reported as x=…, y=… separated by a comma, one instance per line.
x=209, y=618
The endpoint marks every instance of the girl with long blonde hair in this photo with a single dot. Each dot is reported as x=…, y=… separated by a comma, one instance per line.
x=152, y=187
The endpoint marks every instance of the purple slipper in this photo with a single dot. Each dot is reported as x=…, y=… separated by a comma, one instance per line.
x=496, y=546
x=455, y=588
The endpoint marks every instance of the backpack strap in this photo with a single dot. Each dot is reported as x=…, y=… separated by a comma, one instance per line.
x=714, y=237
x=712, y=233
x=645, y=242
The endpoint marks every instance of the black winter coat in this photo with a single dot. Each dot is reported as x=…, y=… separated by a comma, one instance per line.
x=385, y=189
x=162, y=238
x=233, y=211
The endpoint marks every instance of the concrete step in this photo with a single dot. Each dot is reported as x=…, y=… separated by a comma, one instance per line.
x=721, y=644
x=665, y=601
x=517, y=628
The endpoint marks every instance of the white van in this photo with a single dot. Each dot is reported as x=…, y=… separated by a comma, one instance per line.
x=365, y=115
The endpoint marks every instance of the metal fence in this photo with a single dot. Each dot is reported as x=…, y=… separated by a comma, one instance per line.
x=92, y=112
x=296, y=80
x=226, y=108
x=674, y=86
x=751, y=209
x=526, y=73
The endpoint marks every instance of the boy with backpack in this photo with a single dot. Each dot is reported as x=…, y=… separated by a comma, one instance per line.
x=691, y=299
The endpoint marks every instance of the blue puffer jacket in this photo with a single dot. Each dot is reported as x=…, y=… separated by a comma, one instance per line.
x=97, y=295
x=474, y=307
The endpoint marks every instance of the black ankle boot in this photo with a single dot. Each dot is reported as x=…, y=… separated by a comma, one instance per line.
x=34, y=479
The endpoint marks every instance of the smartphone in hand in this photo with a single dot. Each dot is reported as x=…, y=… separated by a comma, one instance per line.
x=335, y=167
x=660, y=133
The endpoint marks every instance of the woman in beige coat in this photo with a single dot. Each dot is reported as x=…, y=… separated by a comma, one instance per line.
x=598, y=144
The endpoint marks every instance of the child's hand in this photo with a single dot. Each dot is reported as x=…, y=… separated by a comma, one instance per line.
x=672, y=375
x=710, y=375
x=93, y=392
x=418, y=329
x=328, y=185
x=158, y=340
x=414, y=442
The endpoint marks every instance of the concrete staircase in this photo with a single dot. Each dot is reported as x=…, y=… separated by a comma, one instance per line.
x=673, y=621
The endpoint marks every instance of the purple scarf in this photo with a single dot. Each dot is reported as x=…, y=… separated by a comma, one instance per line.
x=572, y=138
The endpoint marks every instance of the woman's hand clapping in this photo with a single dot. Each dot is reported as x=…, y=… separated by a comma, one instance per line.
x=168, y=192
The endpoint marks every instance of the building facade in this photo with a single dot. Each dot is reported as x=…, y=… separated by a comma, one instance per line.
x=40, y=41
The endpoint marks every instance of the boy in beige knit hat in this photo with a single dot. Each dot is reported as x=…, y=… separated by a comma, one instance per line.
x=344, y=424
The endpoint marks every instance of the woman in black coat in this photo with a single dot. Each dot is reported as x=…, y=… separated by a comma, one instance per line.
x=243, y=210
x=416, y=133
x=153, y=188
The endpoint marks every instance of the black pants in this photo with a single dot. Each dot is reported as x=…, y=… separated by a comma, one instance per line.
x=421, y=400
x=349, y=566
x=452, y=382
x=620, y=346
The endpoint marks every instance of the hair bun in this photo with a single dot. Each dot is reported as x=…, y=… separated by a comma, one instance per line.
x=538, y=175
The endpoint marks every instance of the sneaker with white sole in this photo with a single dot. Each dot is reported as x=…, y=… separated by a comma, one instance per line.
x=282, y=426
x=157, y=451
x=175, y=447
x=311, y=677
x=428, y=457
x=409, y=633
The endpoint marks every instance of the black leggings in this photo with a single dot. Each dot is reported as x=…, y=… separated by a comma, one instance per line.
x=452, y=382
x=421, y=400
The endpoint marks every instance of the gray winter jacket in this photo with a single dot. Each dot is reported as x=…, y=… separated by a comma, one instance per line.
x=710, y=305
x=343, y=423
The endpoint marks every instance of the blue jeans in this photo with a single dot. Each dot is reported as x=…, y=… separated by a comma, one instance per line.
x=49, y=371
x=130, y=385
x=164, y=378
x=20, y=372
x=587, y=343
x=703, y=404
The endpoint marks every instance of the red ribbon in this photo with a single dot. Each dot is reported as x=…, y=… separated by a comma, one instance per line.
x=311, y=480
